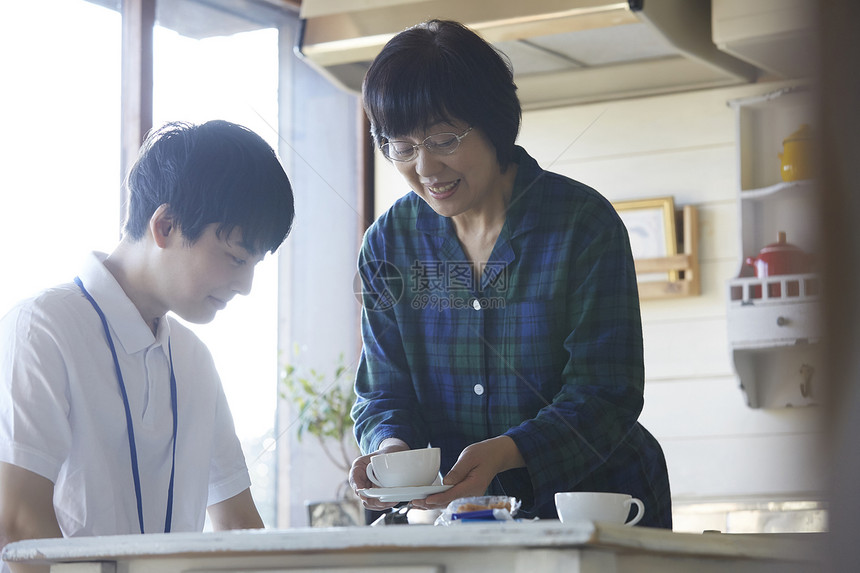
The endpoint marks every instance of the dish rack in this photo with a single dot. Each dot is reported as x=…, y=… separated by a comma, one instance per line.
x=778, y=289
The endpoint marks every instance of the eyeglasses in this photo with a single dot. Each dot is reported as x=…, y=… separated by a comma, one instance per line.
x=437, y=144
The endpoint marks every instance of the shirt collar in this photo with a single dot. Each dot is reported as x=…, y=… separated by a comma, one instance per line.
x=125, y=320
x=429, y=221
x=521, y=217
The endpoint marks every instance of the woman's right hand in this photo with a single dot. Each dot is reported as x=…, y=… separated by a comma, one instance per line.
x=358, y=473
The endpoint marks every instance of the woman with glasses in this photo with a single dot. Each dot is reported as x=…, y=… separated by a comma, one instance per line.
x=501, y=314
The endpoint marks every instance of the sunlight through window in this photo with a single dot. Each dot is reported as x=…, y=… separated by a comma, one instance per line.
x=60, y=173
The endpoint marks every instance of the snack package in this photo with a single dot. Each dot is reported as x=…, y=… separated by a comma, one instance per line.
x=483, y=508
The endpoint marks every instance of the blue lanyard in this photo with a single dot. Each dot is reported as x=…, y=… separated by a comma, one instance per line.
x=131, y=443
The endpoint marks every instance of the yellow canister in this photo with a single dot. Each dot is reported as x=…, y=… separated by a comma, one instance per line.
x=796, y=157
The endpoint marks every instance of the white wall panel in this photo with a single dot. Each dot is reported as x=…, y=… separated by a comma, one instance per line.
x=711, y=408
x=633, y=127
x=745, y=467
x=693, y=349
x=718, y=231
x=620, y=177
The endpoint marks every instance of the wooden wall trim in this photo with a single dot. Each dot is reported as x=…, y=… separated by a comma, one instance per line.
x=366, y=169
x=138, y=21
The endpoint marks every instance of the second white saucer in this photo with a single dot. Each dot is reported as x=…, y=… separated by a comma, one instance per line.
x=394, y=494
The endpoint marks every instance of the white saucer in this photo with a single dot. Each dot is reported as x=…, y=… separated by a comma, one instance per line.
x=392, y=494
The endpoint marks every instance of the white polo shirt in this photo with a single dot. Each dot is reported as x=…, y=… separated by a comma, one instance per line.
x=62, y=414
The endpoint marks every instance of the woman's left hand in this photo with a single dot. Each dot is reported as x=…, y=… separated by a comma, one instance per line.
x=476, y=467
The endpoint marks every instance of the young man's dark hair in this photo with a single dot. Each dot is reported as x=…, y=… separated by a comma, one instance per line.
x=217, y=172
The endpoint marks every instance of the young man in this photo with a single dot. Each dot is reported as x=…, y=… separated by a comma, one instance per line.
x=112, y=416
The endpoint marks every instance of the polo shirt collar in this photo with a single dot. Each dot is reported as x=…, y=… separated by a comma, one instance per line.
x=129, y=328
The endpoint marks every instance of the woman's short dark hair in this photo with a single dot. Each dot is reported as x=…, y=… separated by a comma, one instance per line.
x=216, y=172
x=440, y=70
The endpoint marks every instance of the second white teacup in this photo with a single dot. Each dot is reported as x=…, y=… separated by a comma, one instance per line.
x=408, y=468
x=597, y=506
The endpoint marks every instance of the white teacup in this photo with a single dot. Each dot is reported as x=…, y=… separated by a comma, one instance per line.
x=408, y=468
x=597, y=506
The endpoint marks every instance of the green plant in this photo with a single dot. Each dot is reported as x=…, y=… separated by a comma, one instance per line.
x=323, y=403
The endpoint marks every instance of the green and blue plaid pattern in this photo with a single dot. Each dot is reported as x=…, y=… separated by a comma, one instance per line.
x=545, y=347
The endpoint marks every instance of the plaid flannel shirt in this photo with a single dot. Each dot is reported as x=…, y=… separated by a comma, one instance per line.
x=546, y=347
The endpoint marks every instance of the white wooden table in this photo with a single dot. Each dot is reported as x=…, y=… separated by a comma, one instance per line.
x=521, y=547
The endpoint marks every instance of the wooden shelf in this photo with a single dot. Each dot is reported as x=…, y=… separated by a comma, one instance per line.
x=774, y=323
x=684, y=265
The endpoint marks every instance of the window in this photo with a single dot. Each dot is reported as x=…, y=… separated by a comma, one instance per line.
x=60, y=172
x=234, y=78
x=59, y=154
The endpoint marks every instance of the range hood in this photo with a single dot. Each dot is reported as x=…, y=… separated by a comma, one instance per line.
x=563, y=51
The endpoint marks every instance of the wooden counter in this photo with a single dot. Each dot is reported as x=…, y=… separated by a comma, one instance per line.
x=522, y=547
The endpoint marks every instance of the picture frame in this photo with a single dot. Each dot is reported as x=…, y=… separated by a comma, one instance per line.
x=651, y=228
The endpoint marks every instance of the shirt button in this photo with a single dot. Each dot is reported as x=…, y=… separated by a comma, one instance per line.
x=479, y=389
x=476, y=304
